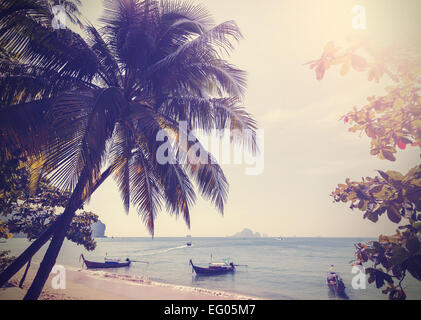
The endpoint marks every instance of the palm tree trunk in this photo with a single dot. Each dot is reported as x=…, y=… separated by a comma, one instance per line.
x=53, y=250
x=20, y=261
x=49, y=259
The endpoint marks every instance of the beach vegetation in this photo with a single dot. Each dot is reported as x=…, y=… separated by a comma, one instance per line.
x=30, y=212
x=392, y=123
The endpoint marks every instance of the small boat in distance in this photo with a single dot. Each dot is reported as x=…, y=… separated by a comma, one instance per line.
x=189, y=241
x=108, y=263
x=214, y=268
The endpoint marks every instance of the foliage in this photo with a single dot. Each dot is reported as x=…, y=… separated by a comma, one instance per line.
x=31, y=214
x=4, y=231
x=391, y=122
x=5, y=259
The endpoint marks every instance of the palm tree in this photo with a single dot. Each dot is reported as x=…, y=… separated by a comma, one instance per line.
x=36, y=64
x=151, y=65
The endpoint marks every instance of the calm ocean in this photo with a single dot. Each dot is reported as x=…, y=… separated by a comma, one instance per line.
x=293, y=268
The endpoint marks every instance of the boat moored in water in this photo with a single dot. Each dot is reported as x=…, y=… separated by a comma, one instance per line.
x=108, y=263
x=335, y=283
x=214, y=268
x=189, y=243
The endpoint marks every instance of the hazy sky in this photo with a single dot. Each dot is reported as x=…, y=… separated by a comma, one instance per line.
x=307, y=150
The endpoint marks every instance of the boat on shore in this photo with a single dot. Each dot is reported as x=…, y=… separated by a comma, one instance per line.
x=214, y=268
x=108, y=263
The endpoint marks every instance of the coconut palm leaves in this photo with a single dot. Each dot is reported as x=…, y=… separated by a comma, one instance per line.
x=151, y=65
x=27, y=34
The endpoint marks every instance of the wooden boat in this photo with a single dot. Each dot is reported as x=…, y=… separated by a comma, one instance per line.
x=335, y=283
x=107, y=264
x=214, y=269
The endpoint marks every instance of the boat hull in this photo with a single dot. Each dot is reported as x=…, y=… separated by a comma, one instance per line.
x=337, y=287
x=105, y=265
x=212, y=271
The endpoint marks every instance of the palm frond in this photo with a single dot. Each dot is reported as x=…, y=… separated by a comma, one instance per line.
x=35, y=9
x=146, y=193
x=179, y=21
x=178, y=190
x=242, y=125
x=209, y=178
x=119, y=157
x=207, y=114
x=129, y=23
x=84, y=121
x=179, y=10
x=40, y=46
x=24, y=129
x=206, y=172
x=109, y=68
x=229, y=80
x=211, y=43
x=24, y=83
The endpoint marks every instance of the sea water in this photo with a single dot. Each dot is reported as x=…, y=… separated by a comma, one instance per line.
x=292, y=268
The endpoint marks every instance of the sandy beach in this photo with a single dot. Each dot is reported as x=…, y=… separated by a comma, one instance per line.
x=99, y=285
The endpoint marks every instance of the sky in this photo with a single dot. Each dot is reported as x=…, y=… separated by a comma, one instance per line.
x=307, y=150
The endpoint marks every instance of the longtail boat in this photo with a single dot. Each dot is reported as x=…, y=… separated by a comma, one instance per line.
x=106, y=264
x=214, y=268
x=335, y=283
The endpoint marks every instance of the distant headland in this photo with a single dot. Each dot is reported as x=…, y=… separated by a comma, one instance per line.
x=98, y=229
x=248, y=233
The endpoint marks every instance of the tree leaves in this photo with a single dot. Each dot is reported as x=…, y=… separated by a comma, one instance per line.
x=393, y=213
x=358, y=62
x=413, y=245
x=32, y=213
x=383, y=174
x=379, y=277
x=414, y=267
x=387, y=155
x=391, y=122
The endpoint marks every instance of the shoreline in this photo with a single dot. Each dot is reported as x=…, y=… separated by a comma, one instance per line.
x=82, y=284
